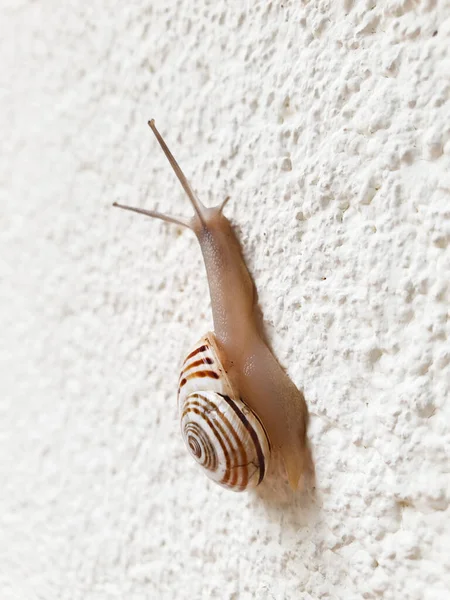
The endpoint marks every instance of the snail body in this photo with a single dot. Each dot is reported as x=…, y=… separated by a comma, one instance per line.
x=235, y=401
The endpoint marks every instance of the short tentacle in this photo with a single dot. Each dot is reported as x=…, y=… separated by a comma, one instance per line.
x=222, y=206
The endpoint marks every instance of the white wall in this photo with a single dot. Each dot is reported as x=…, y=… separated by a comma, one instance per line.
x=349, y=250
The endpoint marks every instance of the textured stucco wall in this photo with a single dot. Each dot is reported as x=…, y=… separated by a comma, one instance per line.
x=328, y=123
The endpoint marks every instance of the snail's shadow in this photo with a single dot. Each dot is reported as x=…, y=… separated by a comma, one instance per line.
x=300, y=508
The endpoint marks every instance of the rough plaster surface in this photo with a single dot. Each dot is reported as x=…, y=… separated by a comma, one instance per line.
x=328, y=124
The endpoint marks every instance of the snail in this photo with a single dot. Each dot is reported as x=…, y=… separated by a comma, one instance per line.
x=236, y=404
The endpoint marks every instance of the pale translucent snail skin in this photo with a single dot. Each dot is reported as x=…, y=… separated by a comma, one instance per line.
x=250, y=365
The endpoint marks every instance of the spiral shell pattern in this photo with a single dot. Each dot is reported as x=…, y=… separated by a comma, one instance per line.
x=222, y=433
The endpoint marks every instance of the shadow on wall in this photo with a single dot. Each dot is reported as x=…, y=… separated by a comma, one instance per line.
x=300, y=508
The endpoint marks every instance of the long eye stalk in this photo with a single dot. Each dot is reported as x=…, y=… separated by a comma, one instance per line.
x=155, y=214
x=197, y=205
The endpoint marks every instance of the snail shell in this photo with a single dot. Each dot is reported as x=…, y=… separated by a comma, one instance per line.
x=223, y=435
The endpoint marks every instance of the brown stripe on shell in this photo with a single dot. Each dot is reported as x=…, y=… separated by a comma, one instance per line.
x=205, y=360
x=197, y=363
x=196, y=351
x=194, y=432
x=230, y=476
x=201, y=413
x=238, y=453
x=253, y=435
x=212, y=374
